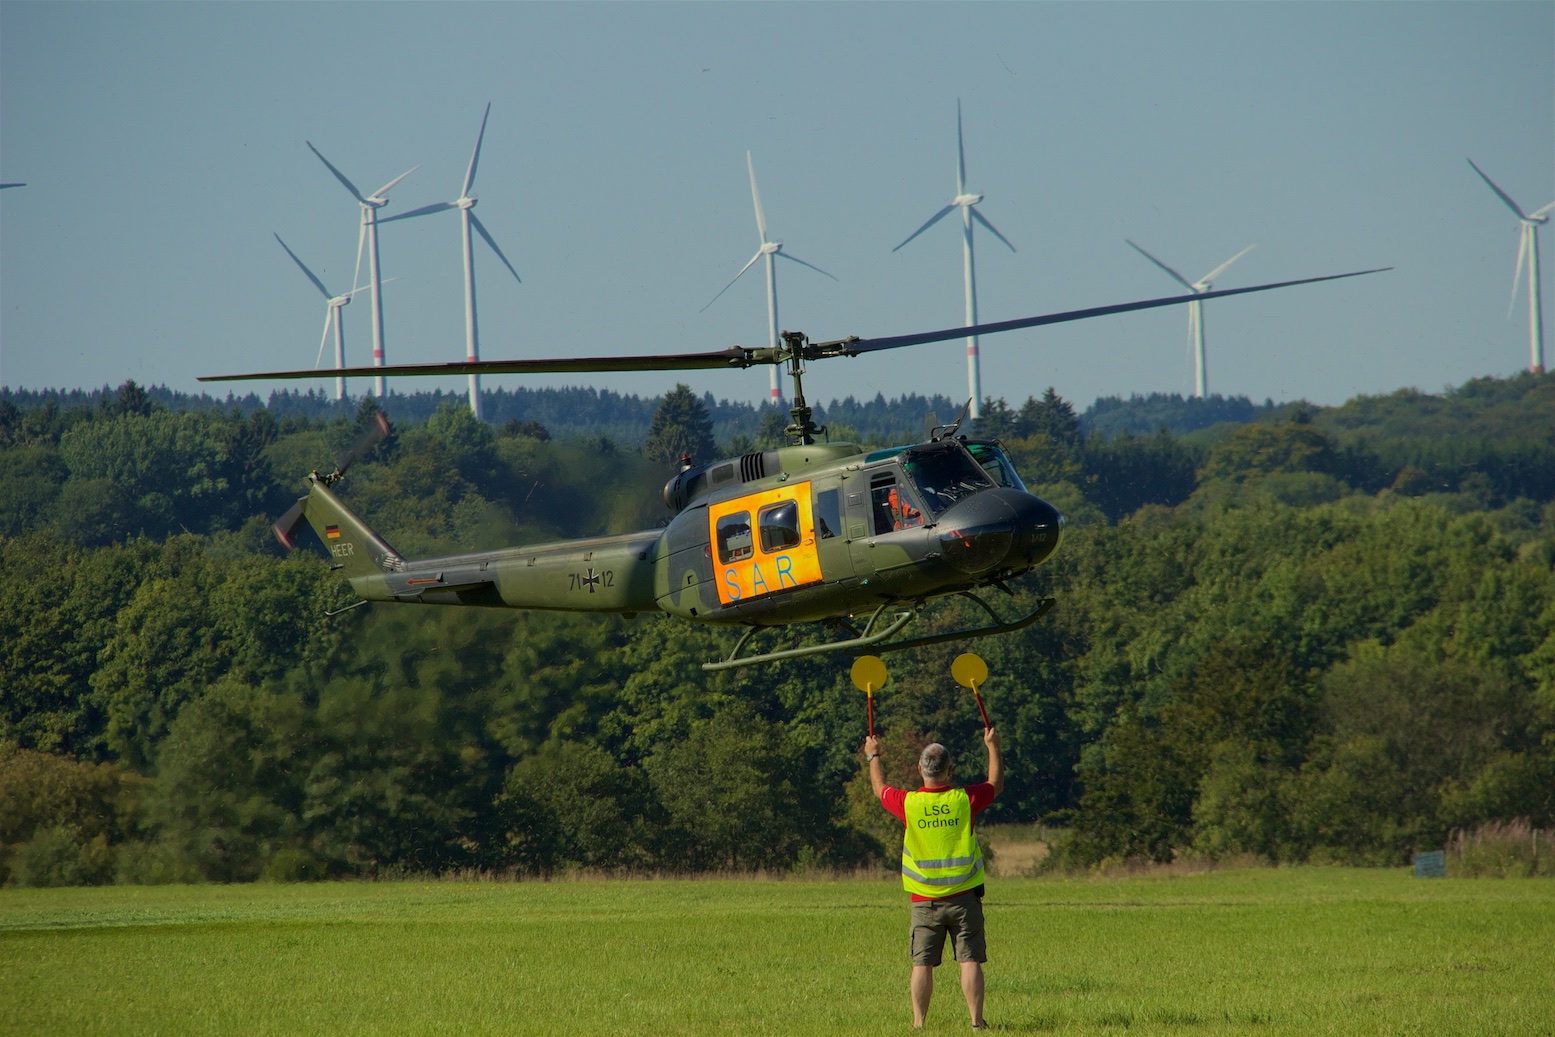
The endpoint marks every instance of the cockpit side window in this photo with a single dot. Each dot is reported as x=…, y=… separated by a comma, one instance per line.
x=944, y=473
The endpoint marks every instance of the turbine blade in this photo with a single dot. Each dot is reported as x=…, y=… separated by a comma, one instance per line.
x=1523, y=241
x=1499, y=193
x=1174, y=275
x=932, y=221
x=338, y=174
x=316, y=282
x=434, y=207
x=481, y=229
x=469, y=177
x=361, y=239
x=1210, y=277
x=784, y=255
x=1539, y=214
x=383, y=191
x=761, y=219
x=961, y=156
x=991, y=228
x=730, y=285
x=329, y=320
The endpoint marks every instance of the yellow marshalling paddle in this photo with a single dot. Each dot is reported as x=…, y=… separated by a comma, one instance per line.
x=969, y=671
x=869, y=674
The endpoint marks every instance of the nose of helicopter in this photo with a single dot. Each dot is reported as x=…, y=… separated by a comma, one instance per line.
x=1000, y=529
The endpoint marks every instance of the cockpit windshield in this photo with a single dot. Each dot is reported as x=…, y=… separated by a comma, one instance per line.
x=997, y=464
x=943, y=473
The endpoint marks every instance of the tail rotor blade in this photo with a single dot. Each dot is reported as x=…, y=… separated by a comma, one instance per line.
x=285, y=524
x=377, y=430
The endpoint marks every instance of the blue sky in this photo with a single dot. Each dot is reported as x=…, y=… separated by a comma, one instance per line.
x=163, y=145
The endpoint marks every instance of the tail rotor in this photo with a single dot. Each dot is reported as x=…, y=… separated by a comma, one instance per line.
x=376, y=432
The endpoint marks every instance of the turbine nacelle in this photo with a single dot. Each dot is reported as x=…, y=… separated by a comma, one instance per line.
x=966, y=199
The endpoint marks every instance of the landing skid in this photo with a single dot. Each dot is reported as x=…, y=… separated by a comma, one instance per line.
x=879, y=640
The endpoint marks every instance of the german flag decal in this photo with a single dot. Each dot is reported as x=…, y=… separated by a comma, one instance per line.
x=332, y=532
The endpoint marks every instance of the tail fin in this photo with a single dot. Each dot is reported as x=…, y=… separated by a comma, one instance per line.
x=357, y=550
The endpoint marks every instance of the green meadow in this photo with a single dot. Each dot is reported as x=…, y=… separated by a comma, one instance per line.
x=1256, y=951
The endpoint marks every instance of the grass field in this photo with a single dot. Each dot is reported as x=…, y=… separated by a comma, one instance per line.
x=1287, y=951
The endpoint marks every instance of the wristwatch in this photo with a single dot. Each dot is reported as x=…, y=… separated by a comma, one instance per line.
x=870, y=757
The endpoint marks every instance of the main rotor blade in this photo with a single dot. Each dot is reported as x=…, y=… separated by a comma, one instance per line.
x=737, y=357
x=1499, y=193
x=866, y=345
x=737, y=276
x=338, y=174
x=1174, y=275
x=434, y=207
x=316, y=282
x=469, y=177
x=740, y=357
x=932, y=221
x=475, y=221
x=784, y=255
x=980, y=218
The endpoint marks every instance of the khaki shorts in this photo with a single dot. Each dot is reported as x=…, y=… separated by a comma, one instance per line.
x=960, y=917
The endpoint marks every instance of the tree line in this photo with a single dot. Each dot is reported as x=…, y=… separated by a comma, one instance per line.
x=1326, y=634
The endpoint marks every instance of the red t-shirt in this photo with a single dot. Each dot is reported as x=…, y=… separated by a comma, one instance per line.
x=895, y=800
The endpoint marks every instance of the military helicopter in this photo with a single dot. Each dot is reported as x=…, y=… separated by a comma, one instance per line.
x=811, y=532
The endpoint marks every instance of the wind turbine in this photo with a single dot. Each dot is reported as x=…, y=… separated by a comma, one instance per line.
x=966, y=203
x=1195, y=308
x=770, y=249
x=332, y=317
x=465, y=203
x=370, y=206
x=1527, y=245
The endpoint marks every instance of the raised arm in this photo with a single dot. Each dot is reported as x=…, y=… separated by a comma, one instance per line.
x=876, y=773
x=995, y=761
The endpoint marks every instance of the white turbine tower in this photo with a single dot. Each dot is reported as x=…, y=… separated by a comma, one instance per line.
x=1527, y=246
x=966, y=203
x=465, y=203
x=769, y=249
x=1195, y=309
x=370, y=206
x=333, y=320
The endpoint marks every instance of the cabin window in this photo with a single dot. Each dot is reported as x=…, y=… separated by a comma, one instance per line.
x=734, y=537
x=779, y=526
x=828, y=513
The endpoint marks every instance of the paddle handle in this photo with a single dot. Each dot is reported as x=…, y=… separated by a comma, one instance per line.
x=870, y=695
x=986, y=725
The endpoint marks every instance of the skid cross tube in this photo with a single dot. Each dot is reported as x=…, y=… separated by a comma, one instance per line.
x=863, y=640
x=998, y=626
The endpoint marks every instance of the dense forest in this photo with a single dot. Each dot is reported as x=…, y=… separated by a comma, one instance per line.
x=1295, y=632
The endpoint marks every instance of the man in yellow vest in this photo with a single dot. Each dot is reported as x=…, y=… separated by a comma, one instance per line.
x=942, y=867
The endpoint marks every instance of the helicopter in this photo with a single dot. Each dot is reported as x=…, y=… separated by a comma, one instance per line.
x=811, y=532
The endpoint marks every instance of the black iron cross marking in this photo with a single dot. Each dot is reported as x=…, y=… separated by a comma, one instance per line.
x=591, y=580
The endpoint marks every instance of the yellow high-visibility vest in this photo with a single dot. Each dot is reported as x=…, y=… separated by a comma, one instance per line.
x=940, y=855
